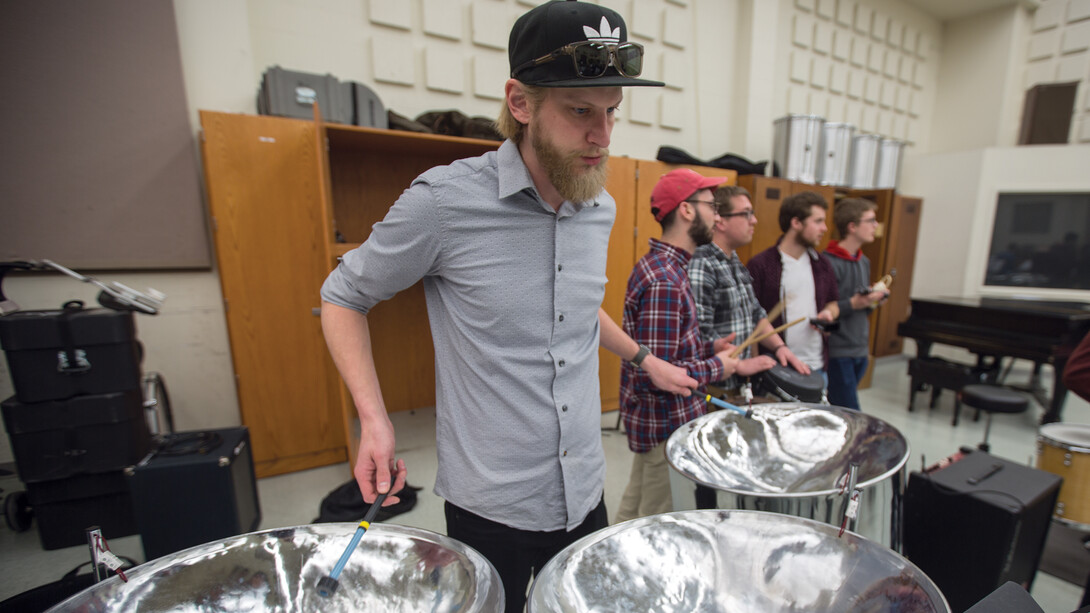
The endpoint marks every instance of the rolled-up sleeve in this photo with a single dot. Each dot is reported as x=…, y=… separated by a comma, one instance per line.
x=401, y=249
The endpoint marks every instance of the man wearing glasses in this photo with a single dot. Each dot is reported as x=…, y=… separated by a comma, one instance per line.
x=723, y=291
x=856, y=224
x=511, y=249
x=659, y=312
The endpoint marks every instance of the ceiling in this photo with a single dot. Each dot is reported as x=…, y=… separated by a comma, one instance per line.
x=945, y=10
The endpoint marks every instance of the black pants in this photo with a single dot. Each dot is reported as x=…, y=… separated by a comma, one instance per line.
x=516, y=554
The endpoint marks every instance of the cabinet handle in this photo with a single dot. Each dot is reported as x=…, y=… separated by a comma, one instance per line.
x=316, y=311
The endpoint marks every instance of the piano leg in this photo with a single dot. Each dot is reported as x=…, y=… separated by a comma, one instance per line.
x=1059, y=393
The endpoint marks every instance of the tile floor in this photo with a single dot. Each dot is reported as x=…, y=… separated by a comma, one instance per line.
x=293, y=499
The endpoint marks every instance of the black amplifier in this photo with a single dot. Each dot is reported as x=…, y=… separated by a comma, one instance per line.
x=977, y=522
x=196, y=488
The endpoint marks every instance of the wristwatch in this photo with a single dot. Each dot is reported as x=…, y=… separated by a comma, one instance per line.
x=640, y=355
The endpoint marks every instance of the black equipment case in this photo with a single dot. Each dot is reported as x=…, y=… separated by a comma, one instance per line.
x=198, y=487
x=65, y=508
x=86, y=434
x=57, y=354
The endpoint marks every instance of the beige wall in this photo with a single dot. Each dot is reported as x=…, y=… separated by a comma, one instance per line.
x=732, y=67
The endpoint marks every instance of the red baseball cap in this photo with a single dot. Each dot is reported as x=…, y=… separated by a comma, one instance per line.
x=676, y=186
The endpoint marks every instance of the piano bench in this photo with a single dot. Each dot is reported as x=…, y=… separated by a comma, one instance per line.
x=992, y=399
x=939, y=374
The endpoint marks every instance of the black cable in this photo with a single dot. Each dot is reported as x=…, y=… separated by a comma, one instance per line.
x=189, y=443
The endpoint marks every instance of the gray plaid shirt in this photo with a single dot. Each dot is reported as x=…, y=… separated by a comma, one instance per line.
x=725, y=301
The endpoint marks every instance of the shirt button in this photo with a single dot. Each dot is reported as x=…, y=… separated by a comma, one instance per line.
x=559, y=267
x=564, y=408
x=562, y=363
x=565, y=453
x=561, y=318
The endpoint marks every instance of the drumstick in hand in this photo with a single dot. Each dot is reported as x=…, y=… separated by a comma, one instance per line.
x=773, y=314
x=739, y=348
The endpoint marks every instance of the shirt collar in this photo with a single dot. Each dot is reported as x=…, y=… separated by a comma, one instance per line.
x=674, y=253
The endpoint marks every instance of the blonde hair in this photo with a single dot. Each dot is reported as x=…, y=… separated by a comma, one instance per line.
x=507, y=125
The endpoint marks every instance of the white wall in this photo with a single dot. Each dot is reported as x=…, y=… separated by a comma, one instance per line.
x=975, y=106
x=1058, y=50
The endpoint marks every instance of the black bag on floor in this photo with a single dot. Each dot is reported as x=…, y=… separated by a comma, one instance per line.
x=345, y=503
x=46, y=596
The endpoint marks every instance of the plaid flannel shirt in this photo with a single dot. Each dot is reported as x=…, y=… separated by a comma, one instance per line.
x=659, y=312
x=725, y=302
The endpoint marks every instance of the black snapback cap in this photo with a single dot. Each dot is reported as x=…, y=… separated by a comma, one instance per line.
x=550, y=26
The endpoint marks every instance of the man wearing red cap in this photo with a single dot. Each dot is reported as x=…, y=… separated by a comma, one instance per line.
x=511, y=250
x=660, y=313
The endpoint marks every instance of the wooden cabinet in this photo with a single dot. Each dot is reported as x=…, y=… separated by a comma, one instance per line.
x=368, y=170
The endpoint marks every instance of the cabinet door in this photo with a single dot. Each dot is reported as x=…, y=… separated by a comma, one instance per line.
x=622, y=244
x=903, y=232
x=262, y=176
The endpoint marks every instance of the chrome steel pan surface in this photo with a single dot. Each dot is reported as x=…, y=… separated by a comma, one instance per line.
x=786, y=450
x=730, y=561
x=395, y=568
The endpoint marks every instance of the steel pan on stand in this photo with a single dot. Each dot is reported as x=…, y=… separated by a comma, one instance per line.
x=806, y=460
x=730, y=561
x=395, y=568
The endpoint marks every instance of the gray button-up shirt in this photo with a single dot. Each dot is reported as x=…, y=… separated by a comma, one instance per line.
x=513, y=291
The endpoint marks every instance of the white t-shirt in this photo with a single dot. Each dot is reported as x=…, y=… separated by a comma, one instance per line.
x=797, y=286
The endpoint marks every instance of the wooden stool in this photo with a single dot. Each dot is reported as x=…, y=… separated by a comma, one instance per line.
x=992, y=399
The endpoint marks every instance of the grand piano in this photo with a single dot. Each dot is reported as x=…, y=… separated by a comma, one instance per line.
x=1043, y=332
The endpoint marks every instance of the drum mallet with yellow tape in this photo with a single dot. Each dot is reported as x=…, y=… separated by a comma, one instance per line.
x=327, y=585
x=723, y=404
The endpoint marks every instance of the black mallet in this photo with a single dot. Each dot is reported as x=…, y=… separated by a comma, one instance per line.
x=327, y=585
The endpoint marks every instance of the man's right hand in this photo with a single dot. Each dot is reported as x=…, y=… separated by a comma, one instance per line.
x=754, y=365
x=375, y=465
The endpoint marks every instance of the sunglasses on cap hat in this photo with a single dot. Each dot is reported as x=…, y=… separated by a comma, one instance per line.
x=592, y=59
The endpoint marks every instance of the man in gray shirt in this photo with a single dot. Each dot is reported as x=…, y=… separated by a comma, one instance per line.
x=511, y=247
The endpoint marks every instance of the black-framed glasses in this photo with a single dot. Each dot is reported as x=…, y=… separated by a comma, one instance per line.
x=591, y=59
x=748, y=214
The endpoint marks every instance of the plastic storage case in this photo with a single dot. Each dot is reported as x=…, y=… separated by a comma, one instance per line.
x=57, y=354
x=65, y=508
x=85, y=434
x=288, y=93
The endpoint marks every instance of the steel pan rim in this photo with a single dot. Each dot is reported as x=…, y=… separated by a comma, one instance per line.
x=792, y=495
x=854, y=540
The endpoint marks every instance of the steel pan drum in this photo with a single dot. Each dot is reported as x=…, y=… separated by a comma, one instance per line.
x=395, y=568
x=730, y=561
x=795, y=459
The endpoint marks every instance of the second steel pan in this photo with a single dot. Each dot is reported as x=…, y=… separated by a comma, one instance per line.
x=796, y=459
x=395, y=568
x=730, y=561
